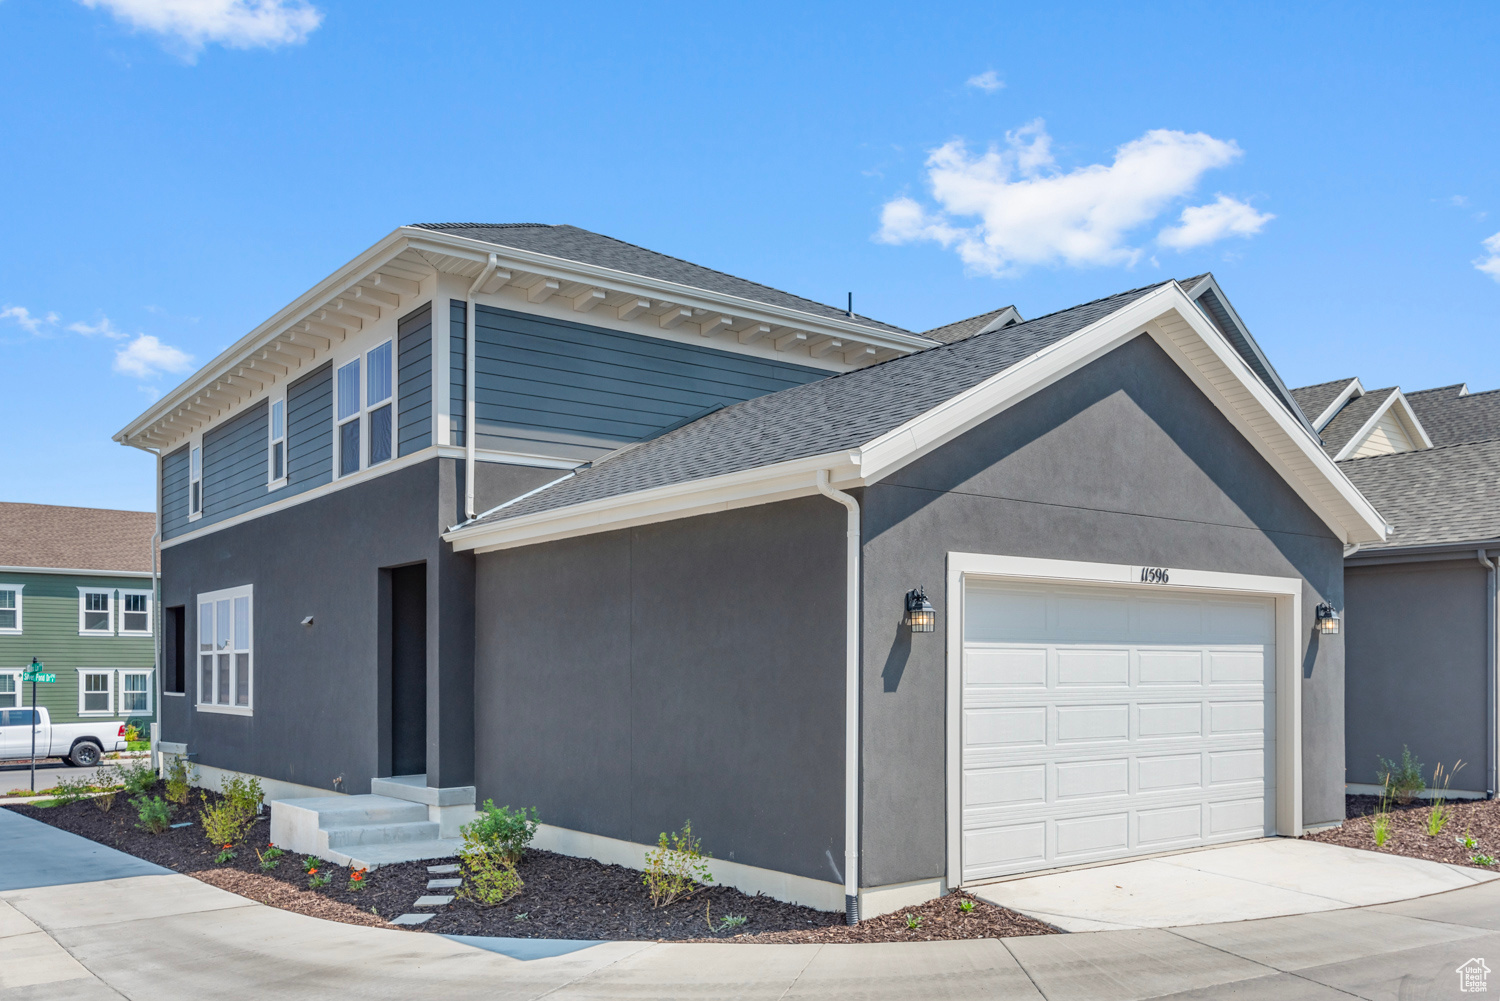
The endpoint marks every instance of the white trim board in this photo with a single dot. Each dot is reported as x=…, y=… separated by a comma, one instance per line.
x=1287, y=591
x=1173, y=321
x=1404, y=414
x=1350, y=392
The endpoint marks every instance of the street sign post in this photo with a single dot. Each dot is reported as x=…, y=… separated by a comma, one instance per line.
x=35, y=675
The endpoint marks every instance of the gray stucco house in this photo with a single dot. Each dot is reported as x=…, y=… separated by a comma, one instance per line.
x=1421, y=606
x=528, y=513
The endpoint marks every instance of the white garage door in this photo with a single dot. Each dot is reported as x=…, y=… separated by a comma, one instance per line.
x=1103, y=722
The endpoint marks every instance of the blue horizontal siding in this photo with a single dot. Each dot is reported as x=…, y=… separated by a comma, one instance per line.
x=414, y=372
x=234, y=463
x=457, y=359
x=541, y=382
x=174, y=492
x=309, y=407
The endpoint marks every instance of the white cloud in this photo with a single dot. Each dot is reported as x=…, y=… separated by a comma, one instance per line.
x=989, y=81
x=146, y=357
x=22, y=316
x=101, y=329
x=1201, y=224
x=1490, y=264
x=238, y=24
x=1028, y=211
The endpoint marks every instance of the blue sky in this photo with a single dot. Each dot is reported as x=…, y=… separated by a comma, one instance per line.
x=177, y=170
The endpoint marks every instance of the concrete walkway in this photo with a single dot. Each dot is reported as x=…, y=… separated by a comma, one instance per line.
x=1261, y=879
x=166, y=936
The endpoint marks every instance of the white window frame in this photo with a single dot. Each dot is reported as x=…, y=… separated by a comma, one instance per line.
x=20, y=619
x=274, y=482
x=370, y=407
x=109, y=674
x=357, y=417
x=82, y=611
x=195, y=478
x=120, y=701
x=211, y=598
x=10, y=673
x=150, y=614
x=362, y=410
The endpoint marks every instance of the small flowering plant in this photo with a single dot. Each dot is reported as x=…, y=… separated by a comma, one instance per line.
x=269, y=858
x=357, y=879
x=226, y=854
x=311, y=864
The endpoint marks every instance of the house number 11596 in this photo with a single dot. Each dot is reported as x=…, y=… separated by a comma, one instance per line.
x=1153, y=575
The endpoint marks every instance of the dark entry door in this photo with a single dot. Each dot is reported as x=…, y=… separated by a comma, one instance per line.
x=409, y=670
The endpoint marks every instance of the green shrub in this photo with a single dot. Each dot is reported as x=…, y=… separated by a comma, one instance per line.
x=71, y=790
x=1404, y=781
x=138, y=777
x=489, y=875
x=154, y=812
x=913, y=922
x=502, y=830
x=180, y=778
x=223, y=822
x=677, y=868
x=246, y=795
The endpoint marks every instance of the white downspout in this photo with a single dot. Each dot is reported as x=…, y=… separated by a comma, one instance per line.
x=156, y=622
x=469, y=337
x=851, y=697
x=1491, y=751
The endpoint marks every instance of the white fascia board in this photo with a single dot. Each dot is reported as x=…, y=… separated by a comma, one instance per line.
x=1368, y=427
x=1354, y=390
x=745, y=488
x=441, y=242
x=1407, y=416
x=1213, y=283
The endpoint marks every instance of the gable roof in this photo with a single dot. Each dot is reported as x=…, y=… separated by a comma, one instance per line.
x=1453, y=415
x=76, y=538
x=869, y=422
x=1005, y=316
x=1338, y=432
x=1444, y=494
x=570, y=243
x=1315, y=401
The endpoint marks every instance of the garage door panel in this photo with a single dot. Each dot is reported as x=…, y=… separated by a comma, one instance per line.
x=1103, y=722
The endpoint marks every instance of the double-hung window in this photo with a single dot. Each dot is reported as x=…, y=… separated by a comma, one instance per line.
x=195, y=483
x=10, y=609
x=276, y=457
x=366, y=411
x=349, y=410
x=135, y=693
x=96, y=692
x=378, y=401
x=96, y=612
x=225, y=650
x=135, y=613
x=10, y=689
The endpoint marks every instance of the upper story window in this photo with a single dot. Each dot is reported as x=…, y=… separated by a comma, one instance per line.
x=10, y=609
x=276, y=457
x=135, y=613
x=195, y=483
x=96, y=612
x=225, y=650
x=365, y=413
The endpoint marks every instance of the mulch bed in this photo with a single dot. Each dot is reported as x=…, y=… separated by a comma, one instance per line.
x=564, y=897
x=1408, y=833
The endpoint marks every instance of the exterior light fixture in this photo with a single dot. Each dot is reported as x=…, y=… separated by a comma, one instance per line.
x=920, y=615
x=1328, y=619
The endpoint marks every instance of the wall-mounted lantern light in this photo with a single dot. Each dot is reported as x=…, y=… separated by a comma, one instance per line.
x=920, y=615
x=1328, y=619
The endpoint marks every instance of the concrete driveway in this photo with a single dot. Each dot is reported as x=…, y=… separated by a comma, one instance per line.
x=166, y=936
x=1259, y=879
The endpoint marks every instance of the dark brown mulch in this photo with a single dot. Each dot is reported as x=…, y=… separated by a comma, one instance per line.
x=1408, y=833
x=564, y=897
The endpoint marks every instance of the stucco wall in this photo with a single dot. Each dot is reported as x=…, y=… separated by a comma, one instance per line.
x=693, y=670
x=1122, y=462
x=1417, y=655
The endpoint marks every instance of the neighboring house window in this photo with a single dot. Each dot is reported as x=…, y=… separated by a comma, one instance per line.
x=378, y=401
x=276, y=460
x=10, y=608
x=96, y=612
x=348, y=418
x=96, y=692
x=225, y=662
x=195, y=484
x=10, y=689
x=135, y=613
x=135, y=693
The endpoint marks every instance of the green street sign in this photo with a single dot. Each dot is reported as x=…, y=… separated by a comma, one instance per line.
x=44, y=679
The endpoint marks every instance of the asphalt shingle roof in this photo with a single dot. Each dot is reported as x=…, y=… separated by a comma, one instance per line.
x=1347, y=422
x=957, y=331
x=75, y=538
x=844, y=411
x=1315, y=399
x=573, y=244
x=1451, y=418
x=1449, y=493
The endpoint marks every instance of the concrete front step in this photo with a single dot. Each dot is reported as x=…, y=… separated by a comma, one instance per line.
x=402, y=820
x=374, y=856
x=380, y=834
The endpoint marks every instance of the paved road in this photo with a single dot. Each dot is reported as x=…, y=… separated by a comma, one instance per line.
x=166, y=936
x=15, y=776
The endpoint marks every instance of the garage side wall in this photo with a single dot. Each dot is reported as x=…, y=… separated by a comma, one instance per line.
x=1122, y=462
x=1416, y=678
x=693, y=670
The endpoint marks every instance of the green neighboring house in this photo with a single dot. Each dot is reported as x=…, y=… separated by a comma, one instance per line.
x=76, y=594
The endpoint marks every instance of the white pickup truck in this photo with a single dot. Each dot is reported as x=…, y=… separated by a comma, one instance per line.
x=79, y=744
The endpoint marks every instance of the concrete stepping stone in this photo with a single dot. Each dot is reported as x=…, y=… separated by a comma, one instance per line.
x=442, y=868
x=411, y=919
x=432, y=900
x=443, y=884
